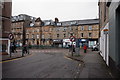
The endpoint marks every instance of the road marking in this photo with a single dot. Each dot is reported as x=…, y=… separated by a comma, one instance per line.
x=67, y=58
x=45, y=51
x=48, y=51
x=10, y=60
x=15, y=59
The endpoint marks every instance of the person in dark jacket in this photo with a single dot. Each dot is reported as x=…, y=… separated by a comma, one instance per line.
x=25, y=48
x=11, y=47
x=85, y=48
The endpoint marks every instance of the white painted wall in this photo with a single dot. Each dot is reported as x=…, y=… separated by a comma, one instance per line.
x=104, y=51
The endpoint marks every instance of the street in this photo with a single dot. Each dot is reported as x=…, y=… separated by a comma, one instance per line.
x=49, y=63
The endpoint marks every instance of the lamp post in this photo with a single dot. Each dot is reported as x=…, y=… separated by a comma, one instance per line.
x=25, y=24
x=72, y=39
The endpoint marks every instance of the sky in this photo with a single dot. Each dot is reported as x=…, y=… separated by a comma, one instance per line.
x=64, y=10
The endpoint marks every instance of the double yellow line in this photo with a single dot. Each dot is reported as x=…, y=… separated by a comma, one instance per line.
x=15, y=59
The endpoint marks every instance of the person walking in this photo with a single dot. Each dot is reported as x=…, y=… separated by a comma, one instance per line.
x=85, y=48
x=70, y=46
x=15, y=48
x=25, y=48
x=11, y=47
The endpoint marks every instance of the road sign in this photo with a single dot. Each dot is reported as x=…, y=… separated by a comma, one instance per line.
x=11, y=36
x=72, y=38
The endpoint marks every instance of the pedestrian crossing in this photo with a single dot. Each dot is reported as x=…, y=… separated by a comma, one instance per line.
x=43, y=51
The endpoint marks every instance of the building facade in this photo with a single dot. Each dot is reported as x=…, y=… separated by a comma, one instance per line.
x=18, y=26
x=85, y=31
x=33, y=33
x=55, y=33
x=5, y=25
x=88, y=34
x=109, y=12
x=104, y=25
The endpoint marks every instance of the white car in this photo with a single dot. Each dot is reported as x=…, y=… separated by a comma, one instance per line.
x=95, y=48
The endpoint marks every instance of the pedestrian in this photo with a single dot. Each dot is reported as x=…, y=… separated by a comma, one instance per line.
x=25, y=48
x=73, y=48
x=28, y=46
x=11, y=48
x=70, y=47
x=15, y=48
x=85, y=48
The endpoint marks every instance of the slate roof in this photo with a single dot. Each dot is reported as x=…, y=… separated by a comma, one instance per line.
x=48, y=22
x=80, y=22
x=22, y=17
x=88, y=21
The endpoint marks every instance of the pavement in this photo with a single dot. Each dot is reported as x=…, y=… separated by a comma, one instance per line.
x=15, y=55
x=93, y=65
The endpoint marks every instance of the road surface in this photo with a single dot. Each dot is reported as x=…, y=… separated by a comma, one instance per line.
x=45, y=63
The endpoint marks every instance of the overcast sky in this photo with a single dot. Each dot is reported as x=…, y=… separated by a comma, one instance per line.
x=62, y=9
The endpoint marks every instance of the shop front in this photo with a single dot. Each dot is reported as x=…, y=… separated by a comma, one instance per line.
x=57, y=43
x=83, y=42
x=92, y=42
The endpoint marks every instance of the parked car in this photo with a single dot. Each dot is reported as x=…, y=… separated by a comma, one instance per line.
x=95, y=47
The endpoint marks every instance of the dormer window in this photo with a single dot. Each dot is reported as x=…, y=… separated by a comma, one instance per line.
x=47, y=23
x=31, y=24
x=59, y=24
x=74, y=22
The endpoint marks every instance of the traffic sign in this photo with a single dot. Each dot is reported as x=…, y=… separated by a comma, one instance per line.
x=72, y=38
x=11, y=36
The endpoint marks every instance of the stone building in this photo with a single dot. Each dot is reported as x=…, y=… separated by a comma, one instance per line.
x=17, y=27
x=47, y=34
x=109, y=12
x=104, y=25
x=62, y=31
x=33, y=33
x=5, y=25
x=88, y=32
x=55, y=33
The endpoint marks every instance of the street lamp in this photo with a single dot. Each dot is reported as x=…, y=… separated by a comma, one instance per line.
x=25, y=24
